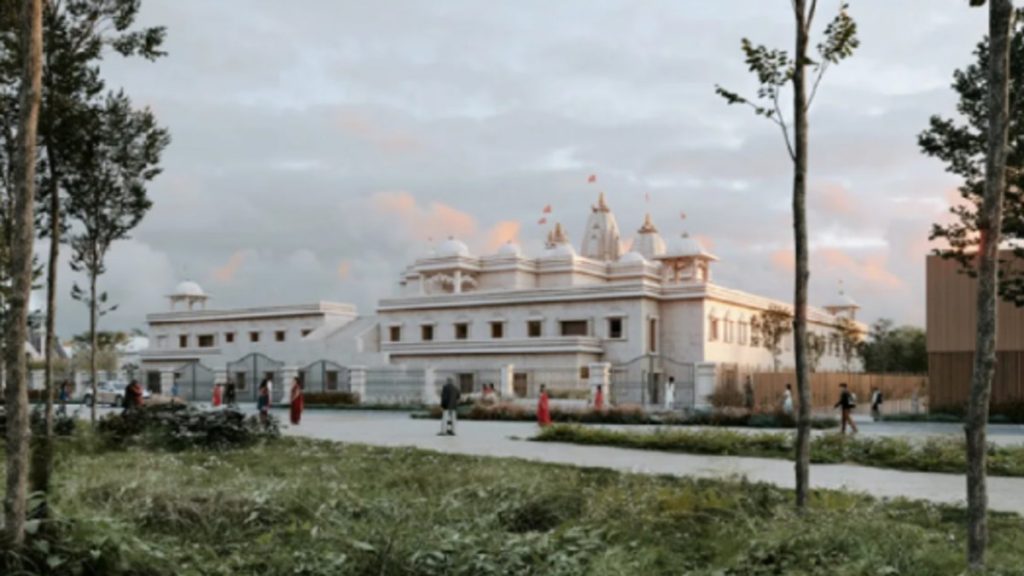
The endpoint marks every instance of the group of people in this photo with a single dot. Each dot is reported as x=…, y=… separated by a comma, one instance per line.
x=846, y=405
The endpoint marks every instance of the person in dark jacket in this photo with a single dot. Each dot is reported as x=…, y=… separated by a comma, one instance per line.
x=846, y=404
x=449, y=402
x=231, y=395
x=876, y=404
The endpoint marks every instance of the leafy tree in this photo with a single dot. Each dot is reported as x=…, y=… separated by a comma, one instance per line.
x=899, y=349
x=774, y=325
x=20, y=245
x=76, y=35
x=107, y=195
x=775, y=69
x=816, y=344
x=961, y=142
x=850, y=340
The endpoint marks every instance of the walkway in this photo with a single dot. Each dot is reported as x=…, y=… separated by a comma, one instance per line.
x=508, y=440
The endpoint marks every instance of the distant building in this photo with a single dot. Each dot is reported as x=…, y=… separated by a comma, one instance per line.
x=952, y=329
x=566, y=318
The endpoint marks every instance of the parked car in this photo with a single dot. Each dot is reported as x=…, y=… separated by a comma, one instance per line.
x=110, y=393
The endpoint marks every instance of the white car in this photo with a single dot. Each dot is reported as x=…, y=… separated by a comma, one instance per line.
x=110, y=393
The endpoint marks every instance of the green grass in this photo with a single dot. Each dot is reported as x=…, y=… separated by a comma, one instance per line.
x=933, y=454
x=306, y=507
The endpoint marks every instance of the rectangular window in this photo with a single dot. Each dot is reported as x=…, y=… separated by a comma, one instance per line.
x=652, y=335
x=206, y=340
x=497, y=329
x=395, y=334
x=744, y=329
x=427, y=332
x=183, y=341
x=728, y=331
x=161, y=341
x=713, y=330
x=306, y=332
x=534, y=329
x=279, y=335
x=331, y=380
x=254, y=336
x=574, y=328
x=584, y=372
x=229, y=337
x=461, y=331
x=615, y=328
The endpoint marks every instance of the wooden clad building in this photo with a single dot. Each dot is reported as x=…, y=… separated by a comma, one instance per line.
x=951, y=324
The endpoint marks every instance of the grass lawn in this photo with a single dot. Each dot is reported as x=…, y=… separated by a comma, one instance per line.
x=933, y=454
x=297, y=506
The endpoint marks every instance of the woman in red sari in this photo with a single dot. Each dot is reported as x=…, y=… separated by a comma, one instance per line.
x=218, y=395
x=599, y=399
x=296, y=402
x=543, y=411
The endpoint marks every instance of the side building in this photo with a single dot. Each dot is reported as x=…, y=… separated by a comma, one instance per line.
x=951, y=331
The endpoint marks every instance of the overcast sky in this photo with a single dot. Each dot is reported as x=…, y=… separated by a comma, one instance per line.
x=319, y=144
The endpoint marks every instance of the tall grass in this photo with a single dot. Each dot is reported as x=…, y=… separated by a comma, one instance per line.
x=305, y=507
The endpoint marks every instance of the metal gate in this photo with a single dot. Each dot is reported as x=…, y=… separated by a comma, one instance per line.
x=247, y=373
x=325, y=376
x=194, y=382
x=643, y=380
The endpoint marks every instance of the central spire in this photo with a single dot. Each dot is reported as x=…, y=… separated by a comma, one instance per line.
x=601, y=239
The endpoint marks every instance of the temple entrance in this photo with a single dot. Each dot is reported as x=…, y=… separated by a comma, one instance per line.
x=520, y=384
x=466, y=383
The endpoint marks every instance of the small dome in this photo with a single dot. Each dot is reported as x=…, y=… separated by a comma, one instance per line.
x=632, y=258
x=188, y=288
x=684, y=246
x=510, y=249
x=561, y=251
x=452, y=247
x=844, y=301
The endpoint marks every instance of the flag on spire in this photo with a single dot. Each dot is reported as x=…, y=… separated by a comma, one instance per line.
x=682, y=215
x=647, y=197
x=542, y=221
x=547, y=209
x=592, y=178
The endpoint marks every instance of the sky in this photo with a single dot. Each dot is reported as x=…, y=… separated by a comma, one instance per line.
x=319, y=145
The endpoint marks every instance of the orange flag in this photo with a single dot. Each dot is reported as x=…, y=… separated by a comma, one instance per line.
x=547, y=209
x=592, y=179
x=542, y=221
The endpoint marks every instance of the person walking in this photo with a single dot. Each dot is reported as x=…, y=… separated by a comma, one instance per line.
x=787, y=400
x=846, y=404
x=231, y=395
x=270, y=390
x=670, y=393
x=133, y=396
x=543, y=409
x=263, y=403
x=297, y=402
x=218, y=395
x=449, y=403
x=599, y=399
x=65, y=396
x=876, y=404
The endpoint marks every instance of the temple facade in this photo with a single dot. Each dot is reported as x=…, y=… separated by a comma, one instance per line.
x=630, y=319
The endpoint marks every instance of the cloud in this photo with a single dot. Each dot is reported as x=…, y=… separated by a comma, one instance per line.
x=344, y=270
x=227, y=272
x=502, y=233
x=435, y=221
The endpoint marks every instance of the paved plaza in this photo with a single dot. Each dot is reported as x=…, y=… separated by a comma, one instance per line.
x=509, y=440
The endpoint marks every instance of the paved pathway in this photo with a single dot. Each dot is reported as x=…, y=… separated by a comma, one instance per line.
x=507, y=440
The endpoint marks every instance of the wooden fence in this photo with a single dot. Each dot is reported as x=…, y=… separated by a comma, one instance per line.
x=898, y=390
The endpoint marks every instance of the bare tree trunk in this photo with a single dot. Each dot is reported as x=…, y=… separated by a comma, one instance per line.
x=42, y=451
x=990, y=219
x=23, y=219
x=92, y=341
x=803, y=435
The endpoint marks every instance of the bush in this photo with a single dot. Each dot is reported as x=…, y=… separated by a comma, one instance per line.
x=568, y=393
x=179, y=426
x=62, y=425
x=330, y=398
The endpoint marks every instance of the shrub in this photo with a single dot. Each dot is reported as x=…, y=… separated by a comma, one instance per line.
x=179, y=426
x=330, y=398
x=568, y=393
x=62, y=425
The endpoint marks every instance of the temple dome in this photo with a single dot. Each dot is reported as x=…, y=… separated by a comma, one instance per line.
x=452, y=248
x=510, y=249
x=189, y=288
x=561, y=251
x=632, y=258
x=685, y=247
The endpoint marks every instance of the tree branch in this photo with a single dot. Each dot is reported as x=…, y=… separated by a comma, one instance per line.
x=781, y=121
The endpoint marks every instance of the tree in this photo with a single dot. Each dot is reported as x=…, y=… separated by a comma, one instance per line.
x=775, y=324
x=989, y=225
x=850, y=340
x=774, y=69
x=962, y=144
x=890, y=349
x=21, y=246
x=107, y=196
x=76, y=32
x=815, y=350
